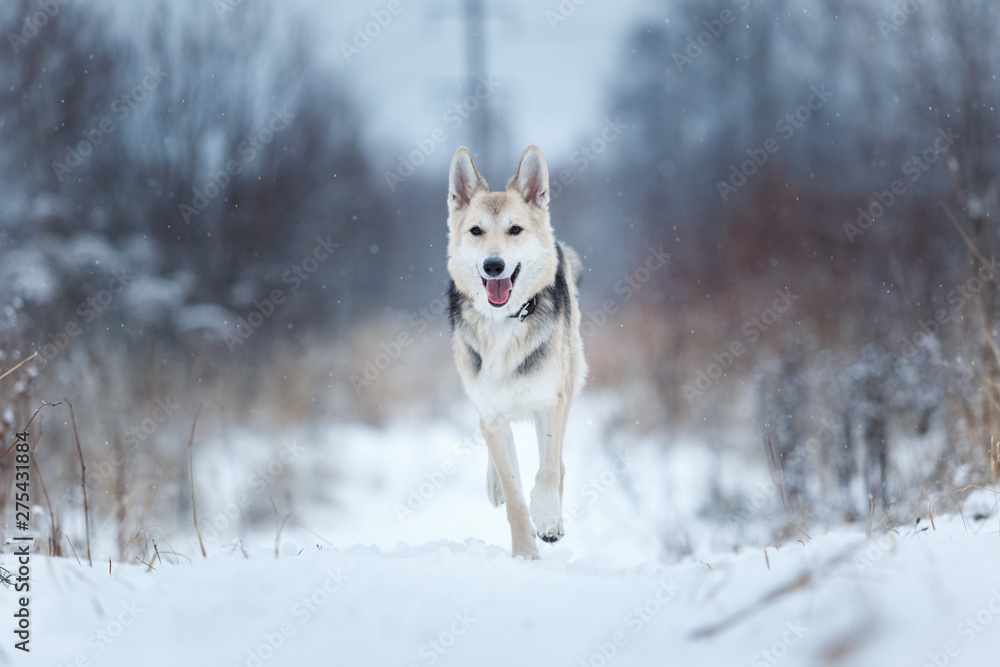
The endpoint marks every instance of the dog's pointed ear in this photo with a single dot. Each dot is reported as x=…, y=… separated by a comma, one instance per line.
x=531, y=179
x=464, y=181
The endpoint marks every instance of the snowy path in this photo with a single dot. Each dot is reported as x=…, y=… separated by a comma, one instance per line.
x=470, y=604
x=379, y=576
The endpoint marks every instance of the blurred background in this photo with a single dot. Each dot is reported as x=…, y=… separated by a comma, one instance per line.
x=241, y=206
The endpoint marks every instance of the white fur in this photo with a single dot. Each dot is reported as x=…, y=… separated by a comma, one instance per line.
x=502, y=343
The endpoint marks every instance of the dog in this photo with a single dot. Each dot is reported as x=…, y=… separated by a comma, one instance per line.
x=515, y=325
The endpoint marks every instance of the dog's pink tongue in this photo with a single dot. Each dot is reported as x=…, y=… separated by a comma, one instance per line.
x=498, y=290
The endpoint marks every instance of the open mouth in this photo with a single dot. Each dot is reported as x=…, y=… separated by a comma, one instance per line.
x=498, y=289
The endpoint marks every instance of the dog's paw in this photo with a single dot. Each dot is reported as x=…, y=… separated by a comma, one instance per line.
x=554, y=536
x=546, y=514
x=493, y=489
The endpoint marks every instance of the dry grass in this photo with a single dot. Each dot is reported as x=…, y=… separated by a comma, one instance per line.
x=803, y=580
x=55, y=544
x=280, y=524
x=20, y=363
x=194, y=506
x=958, y=503
x=83, y=482
x=642, y=352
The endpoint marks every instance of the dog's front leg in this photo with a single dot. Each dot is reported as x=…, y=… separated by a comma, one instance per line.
x=546, y=496
x=500, y=441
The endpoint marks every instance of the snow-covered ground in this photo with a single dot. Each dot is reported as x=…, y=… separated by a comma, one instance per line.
x=404, y=562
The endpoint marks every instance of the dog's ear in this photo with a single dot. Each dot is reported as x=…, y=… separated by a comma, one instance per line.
x=464, y=181
x=531, y=179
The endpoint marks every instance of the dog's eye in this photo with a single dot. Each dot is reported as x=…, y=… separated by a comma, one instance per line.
x=476, y=231
x=515, y=230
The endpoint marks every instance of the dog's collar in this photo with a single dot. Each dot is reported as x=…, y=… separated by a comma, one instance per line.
x=527, y=309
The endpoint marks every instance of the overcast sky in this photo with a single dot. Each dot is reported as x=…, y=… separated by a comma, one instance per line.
x=553, y=83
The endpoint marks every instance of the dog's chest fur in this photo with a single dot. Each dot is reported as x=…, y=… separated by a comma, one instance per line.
x=509, y=365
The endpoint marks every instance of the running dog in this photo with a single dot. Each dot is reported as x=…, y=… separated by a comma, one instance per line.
x=516, y=332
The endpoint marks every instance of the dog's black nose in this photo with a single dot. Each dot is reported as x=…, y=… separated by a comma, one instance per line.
x=493, y=267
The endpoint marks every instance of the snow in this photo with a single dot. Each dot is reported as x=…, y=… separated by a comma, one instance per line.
x=892, y=601
x=400, y=560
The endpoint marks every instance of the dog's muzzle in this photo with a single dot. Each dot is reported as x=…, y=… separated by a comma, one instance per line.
x=498, y=289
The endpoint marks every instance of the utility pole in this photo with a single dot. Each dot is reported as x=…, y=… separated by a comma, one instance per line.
x=475, y=59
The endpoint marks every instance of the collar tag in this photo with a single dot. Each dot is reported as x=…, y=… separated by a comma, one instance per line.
x=527, y=309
